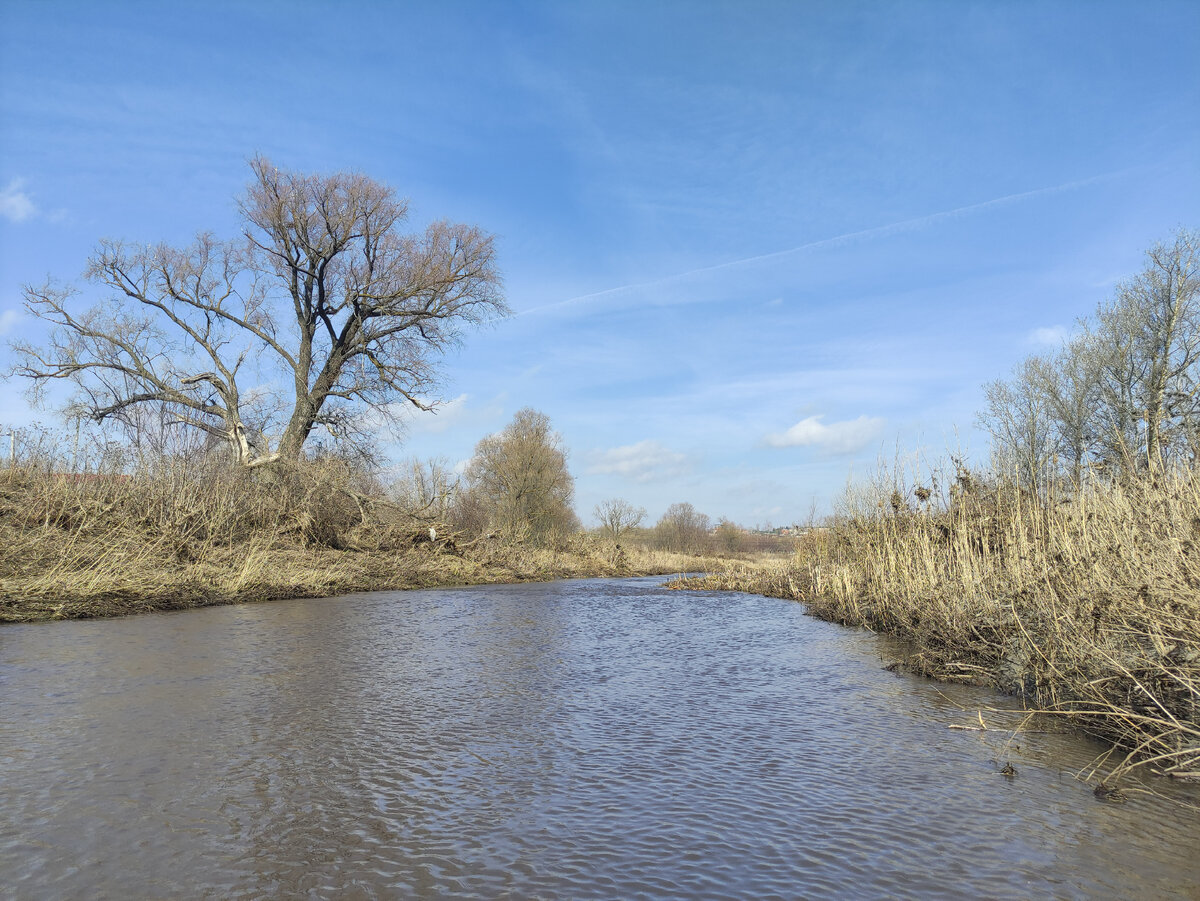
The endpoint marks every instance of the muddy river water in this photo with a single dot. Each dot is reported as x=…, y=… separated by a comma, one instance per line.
x=585, y=739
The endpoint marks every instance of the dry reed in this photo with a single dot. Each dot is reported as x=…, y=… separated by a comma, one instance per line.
x=1085, y=603
x=182, y=534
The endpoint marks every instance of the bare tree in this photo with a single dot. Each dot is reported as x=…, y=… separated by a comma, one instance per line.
x=682, y=529
x=1108, y=347
x=519, y=478
x=1145, y=347
x=729, y=536
x=1018, y=417
x=1125, y=393
x=426, y=489
x=617, y=516
x=326, y=295
x=1071, y=385
x=1162, y=305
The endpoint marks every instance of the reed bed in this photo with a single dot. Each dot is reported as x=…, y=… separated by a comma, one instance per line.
x=1086, y=603
x=182, y=533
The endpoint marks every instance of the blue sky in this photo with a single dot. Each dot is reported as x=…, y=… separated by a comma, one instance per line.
x=750, y=247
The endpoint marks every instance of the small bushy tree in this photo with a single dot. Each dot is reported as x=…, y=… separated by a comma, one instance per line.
x=730, y=538
x=518, y=480
x=682, y=529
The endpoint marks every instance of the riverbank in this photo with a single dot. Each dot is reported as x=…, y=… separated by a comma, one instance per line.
x=279, y=571
x=1086, y=605
x=96, y=546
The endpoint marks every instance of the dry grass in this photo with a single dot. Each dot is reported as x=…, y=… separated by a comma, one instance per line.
x=1087, y=604
x=186, y=535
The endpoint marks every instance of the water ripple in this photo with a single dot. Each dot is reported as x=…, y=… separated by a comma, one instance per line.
x=598, y=739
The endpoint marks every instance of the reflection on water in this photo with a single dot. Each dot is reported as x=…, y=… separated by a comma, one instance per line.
x=575, y=739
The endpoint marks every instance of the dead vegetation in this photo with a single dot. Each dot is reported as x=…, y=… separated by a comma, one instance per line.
x=1086, y=603
x=188, y=533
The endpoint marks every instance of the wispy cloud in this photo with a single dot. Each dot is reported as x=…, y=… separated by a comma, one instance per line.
x=8, y=321
x=1048, y=336
x=15, y=204
x=645, y=461
x=445, y=415
x=836, y=438
x=875, y=232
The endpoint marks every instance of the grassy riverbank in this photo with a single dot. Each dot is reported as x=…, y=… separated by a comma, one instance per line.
x=1087, y=605
x=93, y=545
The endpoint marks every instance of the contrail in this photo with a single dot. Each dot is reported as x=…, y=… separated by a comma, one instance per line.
x=876, y=231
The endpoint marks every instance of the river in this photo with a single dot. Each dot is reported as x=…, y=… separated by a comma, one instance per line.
x=582, y=739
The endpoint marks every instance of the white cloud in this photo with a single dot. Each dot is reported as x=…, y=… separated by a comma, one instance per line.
x=836, y=438
x=15, y=203
x=446, y=414
x=8, y=321
x=1050, y=336
x=642, y=462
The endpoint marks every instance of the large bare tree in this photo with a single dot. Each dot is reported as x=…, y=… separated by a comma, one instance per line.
x=1163, y=304
x=327, y=310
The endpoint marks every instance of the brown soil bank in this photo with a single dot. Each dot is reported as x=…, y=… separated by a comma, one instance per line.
x=78, y=546
x=1087, y=604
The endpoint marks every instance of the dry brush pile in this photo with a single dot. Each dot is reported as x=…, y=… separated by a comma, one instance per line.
x=1086, y=604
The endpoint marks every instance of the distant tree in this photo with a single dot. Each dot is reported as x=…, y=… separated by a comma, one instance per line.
x=730, y=537
x=1112, y=355
x=1070, y=384
x=1018, y=417
x=519, y=479
x=326, y=298
x=617, y=516
x=682, y=529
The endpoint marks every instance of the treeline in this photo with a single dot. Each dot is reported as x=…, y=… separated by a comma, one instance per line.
x=1122, y=395
x=683, y=529
x=518, y=486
